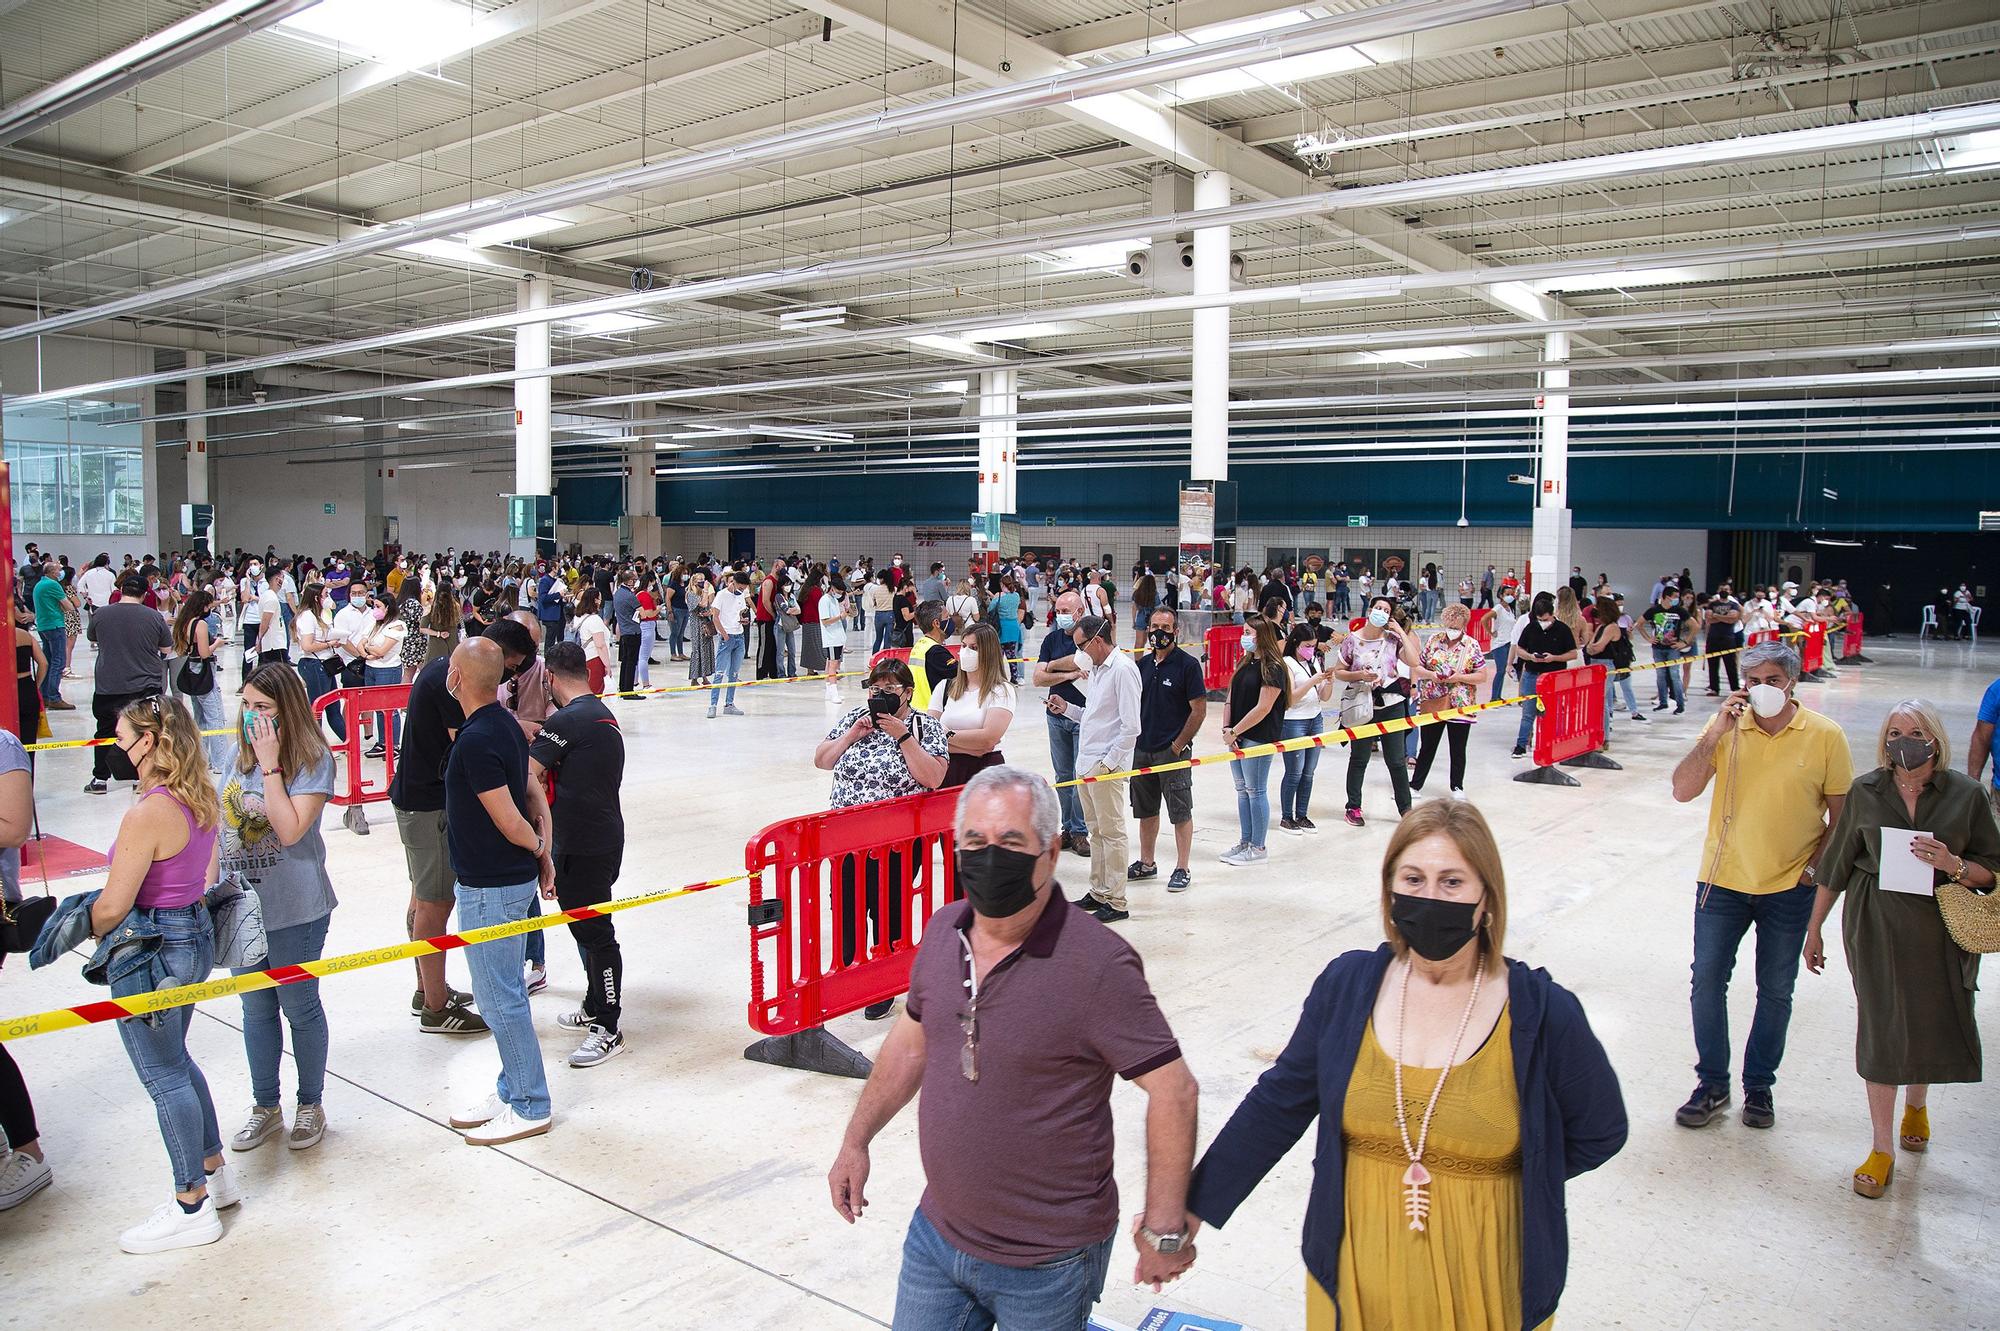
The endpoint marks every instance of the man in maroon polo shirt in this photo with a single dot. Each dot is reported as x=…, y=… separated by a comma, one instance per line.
x=1021, y=1011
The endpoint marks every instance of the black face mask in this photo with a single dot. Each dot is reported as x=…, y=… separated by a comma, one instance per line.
x=1908, y=752
x=1161, y=639
x=999, y=882
x=1434, y=929
x=883, y=703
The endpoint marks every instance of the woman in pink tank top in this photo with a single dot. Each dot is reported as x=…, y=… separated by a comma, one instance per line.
x=163, y=862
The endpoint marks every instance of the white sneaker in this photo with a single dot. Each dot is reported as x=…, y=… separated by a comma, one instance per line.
x=170, y=1227
x=507, y=1126
x=537, y=978
x=21, y=1177
x=574, y=1021
x=1255, y=855
x=1235, y=855
x=488, y=1110
x=1458, y=794
x=711, y=711
x=599, y=1046
x=223, y=1188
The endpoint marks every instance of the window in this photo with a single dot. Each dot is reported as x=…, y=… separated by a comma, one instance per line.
x=77, y=467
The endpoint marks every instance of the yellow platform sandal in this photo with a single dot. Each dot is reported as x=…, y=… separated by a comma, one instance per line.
x=1872, y=1179
x=1916, y=1128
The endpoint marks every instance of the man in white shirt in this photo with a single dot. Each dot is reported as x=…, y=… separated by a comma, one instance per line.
x=272, y=640
x=96, y=584
x=731, y=614
x=352, y=624
x=1104, y=744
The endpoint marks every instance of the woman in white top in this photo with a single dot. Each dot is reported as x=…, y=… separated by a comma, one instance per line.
x=381, y=650
x=963, y=607
x=319, y=658
x=832, y=594
x=1309, y=687
x=593, y=636
x=976, y=707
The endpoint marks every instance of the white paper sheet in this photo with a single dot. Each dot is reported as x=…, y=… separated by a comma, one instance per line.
x=1902, y=871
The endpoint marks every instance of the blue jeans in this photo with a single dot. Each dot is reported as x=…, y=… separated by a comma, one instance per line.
x=319, y=681
x=1498, y=656
x=55, y=646
x=264, y=1042
x=649, y=632
x=943, y=1289
x=1526, y=735
x=1253, y=798
x=728, y=665
x=1295, y=792
x=1341, y=605
x=159, y=1053
x=1668, y=676
x=1721, y=917
x=883, y=620
x=1063, y=734
x=373, y=676
x=502, y=992
x=677, y=631
x=208, y=715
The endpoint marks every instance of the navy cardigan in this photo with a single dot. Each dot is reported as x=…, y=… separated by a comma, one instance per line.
x=1572, y=1117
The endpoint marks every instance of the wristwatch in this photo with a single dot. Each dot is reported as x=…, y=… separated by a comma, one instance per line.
x=1164, y=1244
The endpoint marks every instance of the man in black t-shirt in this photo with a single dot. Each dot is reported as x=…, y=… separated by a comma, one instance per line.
x=581, y=749
x=1173, y=702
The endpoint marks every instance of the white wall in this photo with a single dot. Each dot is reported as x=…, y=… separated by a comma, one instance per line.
x=1636, y=557
x=267, y=499
x=439, y=507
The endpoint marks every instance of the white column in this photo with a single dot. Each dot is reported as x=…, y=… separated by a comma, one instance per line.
x=999, y=395
x=197, y=430
x=641, y=486
x=1551, y=541
x=534, y=468
x=1210, y=454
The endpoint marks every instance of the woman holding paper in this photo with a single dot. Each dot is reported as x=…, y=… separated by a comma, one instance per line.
x=1908, y=825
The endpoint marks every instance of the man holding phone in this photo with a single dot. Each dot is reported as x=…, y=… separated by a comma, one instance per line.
x=1545, y=644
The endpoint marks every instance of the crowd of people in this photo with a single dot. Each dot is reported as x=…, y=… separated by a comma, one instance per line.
x=1455, y=1089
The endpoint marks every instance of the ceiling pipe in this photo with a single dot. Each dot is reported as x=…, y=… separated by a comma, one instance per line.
x=1377, y=23
x=169, y=48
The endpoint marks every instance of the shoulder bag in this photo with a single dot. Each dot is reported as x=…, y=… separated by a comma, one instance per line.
x=196, y=677
x=1971, y=918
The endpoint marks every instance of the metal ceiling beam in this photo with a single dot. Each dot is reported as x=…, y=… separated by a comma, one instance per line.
x=330, y=90
x=1078, y=85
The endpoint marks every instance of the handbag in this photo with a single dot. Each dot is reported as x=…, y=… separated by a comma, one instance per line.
x=1971, y=918
x=236, y=915
x=196, y=677
x=1357, y=706
x=21, y=922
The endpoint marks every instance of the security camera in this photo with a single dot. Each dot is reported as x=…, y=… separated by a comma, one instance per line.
x=1187, y=256
x=258, y=395
x=1236, y=268
x=1516, y=478
x=1138, y=263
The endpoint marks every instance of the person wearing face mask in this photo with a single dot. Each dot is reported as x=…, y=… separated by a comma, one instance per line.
x=319, y=654
x=1541, y=643
x=1172, y=707
x=882, y=750
x=1609, y=644
x=1913, y=983
x=977, y=706
x=1504, y=625
x=1308, y=689
x=1661, y=627
x=729, y=617
x=1018, y=1227
x=1458, y=668
x=1380, y=662
x=1781, y=776
x=1456, y=1091
x=1104, y=744
x=1058, y=672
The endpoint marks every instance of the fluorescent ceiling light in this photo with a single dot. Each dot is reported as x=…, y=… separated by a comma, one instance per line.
x=1108, y=256
x=423, y=466
x=815, y=314
x=7, y=215
x=1902, y=547
x=449, y=250
x=1416, y=355
x=605, y=325
x=951, y=346
x=402, y=34
x=341, y=420
x=1619, y=280
x=1971, y=152
x=948, y=386
x=1826, y=540
x=519, y=228
x=1019, y=332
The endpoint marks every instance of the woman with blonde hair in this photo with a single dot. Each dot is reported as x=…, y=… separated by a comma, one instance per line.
x=1570, y=613
x=1913, y=983
x=271, y=804
x=162, y=863
x=1456, y=1090
x=976, y=707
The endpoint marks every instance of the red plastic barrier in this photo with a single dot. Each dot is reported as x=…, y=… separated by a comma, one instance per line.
x=1763, y=635
x=813, y=953
x=1481, y=628
x=1224, y=654
x=1572, y=718
x=1851, y=648
x=389, y=701
x=1812, y=656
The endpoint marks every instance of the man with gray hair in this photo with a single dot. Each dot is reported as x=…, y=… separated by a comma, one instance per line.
x=1020, y=1208
x=1781, y=775
x=1104, y=745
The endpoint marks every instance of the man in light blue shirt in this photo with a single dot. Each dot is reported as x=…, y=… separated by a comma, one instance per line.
x=1982, y=740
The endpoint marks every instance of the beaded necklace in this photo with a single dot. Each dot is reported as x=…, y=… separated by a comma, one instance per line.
x=1416, y=1201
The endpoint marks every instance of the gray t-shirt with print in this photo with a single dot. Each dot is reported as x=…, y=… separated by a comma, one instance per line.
x=291, y=881
x=13, y=758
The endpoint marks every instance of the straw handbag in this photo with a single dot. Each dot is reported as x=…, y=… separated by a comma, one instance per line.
x=1971, y=918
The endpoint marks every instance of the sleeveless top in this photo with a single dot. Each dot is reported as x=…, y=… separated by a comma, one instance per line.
x=181, y=879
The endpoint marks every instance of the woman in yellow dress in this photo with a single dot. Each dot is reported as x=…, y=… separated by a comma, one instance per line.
x=1457, y=1091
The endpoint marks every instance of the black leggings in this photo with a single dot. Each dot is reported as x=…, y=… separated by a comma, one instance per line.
x=1717, y=663
x=1395, y=748
x=892, y=903
x=586, y=880
x=1427, y=748
x=17, y=1111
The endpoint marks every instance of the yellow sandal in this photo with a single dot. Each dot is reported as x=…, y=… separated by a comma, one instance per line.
x=1916, y=1129
x=1872, y=1179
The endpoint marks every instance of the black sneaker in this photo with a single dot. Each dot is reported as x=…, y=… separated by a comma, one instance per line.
x=1109, y=914
x=451, y=996
x=1659, y=707
x=94, y=786
x=1758, y=1112
x=877, y=1011
x=1702, y=1107
x=1139, y=870
x=1679, y=708
x=1520, y=750
x=455, y=1018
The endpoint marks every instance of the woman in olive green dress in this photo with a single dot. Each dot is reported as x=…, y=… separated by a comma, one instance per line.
x=1913, y=985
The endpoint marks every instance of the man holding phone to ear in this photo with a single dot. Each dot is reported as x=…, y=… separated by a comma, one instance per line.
x=1781, y=776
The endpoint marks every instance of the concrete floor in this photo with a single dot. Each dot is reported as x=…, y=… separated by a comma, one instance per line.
x=683, y=1185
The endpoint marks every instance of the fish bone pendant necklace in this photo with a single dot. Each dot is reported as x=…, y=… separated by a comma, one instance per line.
x=1416, y=1179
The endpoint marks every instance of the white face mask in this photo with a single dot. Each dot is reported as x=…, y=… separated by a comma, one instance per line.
x=968, y=658
x=1767, y=700
x=1453, y=635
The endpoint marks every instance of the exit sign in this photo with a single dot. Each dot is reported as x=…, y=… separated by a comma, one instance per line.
x=327, y=507
x=1357, y=519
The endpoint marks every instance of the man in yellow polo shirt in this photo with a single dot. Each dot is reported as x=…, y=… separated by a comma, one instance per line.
x=1781, y=774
